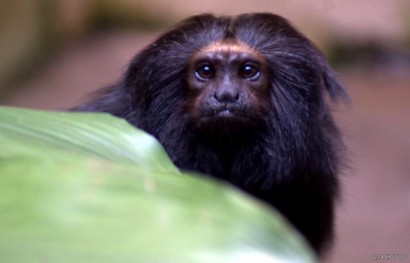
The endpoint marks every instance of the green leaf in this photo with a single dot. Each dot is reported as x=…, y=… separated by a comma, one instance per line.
x=94, y=134
x=99, y=199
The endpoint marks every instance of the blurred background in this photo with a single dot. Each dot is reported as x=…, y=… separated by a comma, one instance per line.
x=53, y=53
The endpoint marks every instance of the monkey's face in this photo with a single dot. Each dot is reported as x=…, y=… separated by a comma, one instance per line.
x=227, y=85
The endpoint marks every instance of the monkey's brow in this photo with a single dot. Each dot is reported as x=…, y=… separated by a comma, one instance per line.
x=223, y=46
x=227, y=57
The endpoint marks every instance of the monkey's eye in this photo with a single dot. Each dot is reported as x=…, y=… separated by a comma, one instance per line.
x=204, y=72
x=249, y=71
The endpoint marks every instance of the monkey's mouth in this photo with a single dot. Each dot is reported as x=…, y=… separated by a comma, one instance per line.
x=225, y=113
x=226, y=121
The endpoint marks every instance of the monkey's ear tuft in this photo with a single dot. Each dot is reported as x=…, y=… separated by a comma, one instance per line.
x=335, y=90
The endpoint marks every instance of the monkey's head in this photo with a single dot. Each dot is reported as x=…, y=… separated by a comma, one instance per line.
x=230, y=73
x=228, y=84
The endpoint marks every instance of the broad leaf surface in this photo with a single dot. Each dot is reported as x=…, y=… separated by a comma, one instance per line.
x=91, y=188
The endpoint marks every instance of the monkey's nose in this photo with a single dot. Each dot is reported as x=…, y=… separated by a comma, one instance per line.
x=226, y=95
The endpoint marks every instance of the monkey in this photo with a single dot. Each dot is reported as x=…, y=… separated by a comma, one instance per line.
x=245, y=99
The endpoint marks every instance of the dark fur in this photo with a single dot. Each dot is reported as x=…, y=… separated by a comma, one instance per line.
x=290, y=157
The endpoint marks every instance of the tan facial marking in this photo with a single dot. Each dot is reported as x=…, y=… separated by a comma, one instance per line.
x=228, y=47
